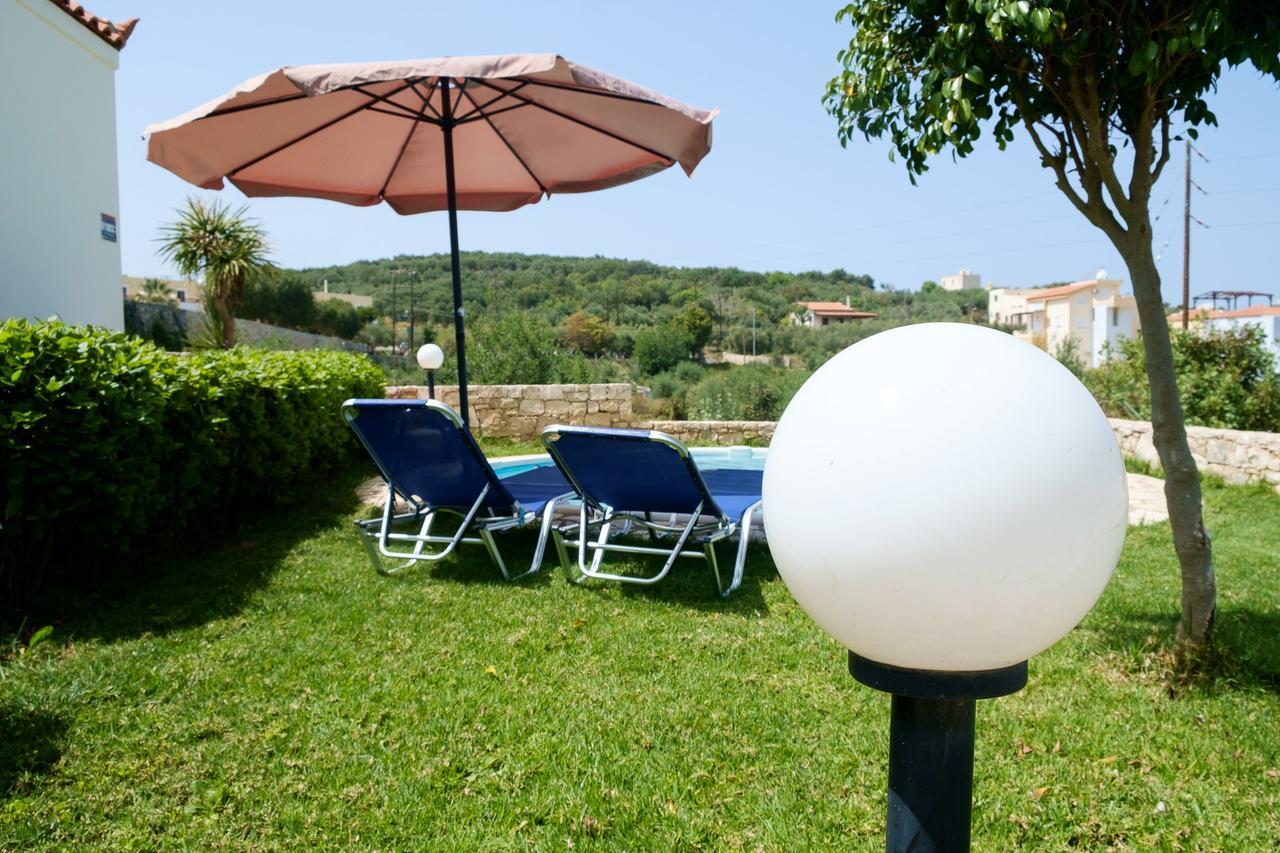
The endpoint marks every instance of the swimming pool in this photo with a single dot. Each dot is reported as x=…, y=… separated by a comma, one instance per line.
x=708, y=459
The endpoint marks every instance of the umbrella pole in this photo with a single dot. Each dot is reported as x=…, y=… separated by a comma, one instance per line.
x=459, y=334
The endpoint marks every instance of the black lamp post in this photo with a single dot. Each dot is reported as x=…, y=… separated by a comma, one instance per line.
x=430, y=357
x=931, y=749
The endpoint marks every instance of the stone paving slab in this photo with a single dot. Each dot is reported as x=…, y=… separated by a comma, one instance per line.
x=1146, y=500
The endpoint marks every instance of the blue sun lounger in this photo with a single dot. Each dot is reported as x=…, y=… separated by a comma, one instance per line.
x=624, y=477
x=432, y=463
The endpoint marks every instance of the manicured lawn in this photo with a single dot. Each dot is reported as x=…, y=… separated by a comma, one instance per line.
x=276, y=693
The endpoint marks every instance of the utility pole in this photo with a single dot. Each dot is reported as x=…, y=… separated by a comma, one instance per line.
x=753, y=331
x=1186, y=246
x=393, y=311
x=396, y=273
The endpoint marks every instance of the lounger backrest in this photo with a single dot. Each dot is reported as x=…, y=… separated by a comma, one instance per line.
x=425, y=453
x=629, y=469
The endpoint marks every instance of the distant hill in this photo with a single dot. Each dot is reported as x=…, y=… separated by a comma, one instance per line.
x=624, y=292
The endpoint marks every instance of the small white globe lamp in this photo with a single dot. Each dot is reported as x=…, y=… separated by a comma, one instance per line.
x=430, y=357
x=945, y=501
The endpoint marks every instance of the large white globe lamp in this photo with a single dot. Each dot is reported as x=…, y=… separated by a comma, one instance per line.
x=945, y=497
x=945, y=501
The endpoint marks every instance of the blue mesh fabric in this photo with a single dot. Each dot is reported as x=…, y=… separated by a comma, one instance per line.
x=424, y=455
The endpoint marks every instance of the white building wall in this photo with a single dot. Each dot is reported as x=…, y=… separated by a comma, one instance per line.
x=1270, y=326
x=963, y=280
x=57, y=168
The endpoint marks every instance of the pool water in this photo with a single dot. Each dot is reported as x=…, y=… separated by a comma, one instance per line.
x=708, y=459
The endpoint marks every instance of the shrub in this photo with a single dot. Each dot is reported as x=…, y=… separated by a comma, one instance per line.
x=659, y=349
x=106, y=439
x=520, y=349
x=753, y=392
x=1226, y=378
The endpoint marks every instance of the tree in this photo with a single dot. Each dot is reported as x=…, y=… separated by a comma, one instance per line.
x=282, y=301
x=520, y=348
x=223, y=246
x=660, y=348
x=586, y=333
x=695, y=322
x=1081, y=78
x=156, y=292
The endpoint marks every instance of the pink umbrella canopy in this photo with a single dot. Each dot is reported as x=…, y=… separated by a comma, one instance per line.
x=456, y=133
x=524, y=126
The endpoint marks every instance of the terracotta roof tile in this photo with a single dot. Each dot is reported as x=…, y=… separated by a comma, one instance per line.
x=1216, y=314
x=112, y=33
x=836, y=309
x=1064, y=290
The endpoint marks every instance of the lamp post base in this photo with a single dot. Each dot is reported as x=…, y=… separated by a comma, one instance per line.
x=931, y=749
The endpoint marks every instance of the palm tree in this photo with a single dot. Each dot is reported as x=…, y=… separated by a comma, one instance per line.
x=224, y=246
x=156, y=292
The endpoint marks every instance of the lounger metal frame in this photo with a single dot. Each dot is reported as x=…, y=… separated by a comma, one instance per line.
x=706, y=531
x=378, y=536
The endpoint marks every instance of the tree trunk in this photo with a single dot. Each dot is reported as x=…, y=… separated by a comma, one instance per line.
x=1182, y=480
x=223, y=307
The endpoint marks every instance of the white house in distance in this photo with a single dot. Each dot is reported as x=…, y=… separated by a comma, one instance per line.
x=1093, y=313
x=1265, y=317
x=963, y=280
x=815, y=315
x=58, y=220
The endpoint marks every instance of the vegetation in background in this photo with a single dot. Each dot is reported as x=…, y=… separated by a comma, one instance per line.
x=108, y=441
x=156, y=292
x=161, y=326
x=288, y=301
x=586, y=333
x=1081, y=78
x=752, y=392
x=519, y=348
x=1226, y=378
x=224, y=248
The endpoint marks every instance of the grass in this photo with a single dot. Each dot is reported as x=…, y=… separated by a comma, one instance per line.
x=276, y=693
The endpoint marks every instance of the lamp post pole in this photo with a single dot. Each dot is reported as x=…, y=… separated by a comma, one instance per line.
x=931, y=749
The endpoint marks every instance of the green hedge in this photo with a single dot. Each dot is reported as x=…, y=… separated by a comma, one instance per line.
x=106, y=439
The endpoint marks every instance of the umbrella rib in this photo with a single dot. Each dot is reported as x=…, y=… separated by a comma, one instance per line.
x=426, y=99
x=480, y=108
x=404, y=146
x=407, y=112
x=330, y=123
x=505, y=141
x=415, y=118
x=582, y=122
x=471, y=116
x=587, y=91
x=271, y=102
x=283, y=99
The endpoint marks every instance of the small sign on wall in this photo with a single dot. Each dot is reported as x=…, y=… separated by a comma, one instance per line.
x=108, y=227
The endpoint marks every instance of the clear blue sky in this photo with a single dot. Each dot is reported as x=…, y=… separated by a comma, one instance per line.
x=776, y=192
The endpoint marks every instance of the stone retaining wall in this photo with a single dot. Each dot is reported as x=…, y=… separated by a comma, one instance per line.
x=520, y=411
x=756, y=433
x=1235, y=455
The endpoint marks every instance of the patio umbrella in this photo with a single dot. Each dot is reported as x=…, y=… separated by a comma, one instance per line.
x=456, y=133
